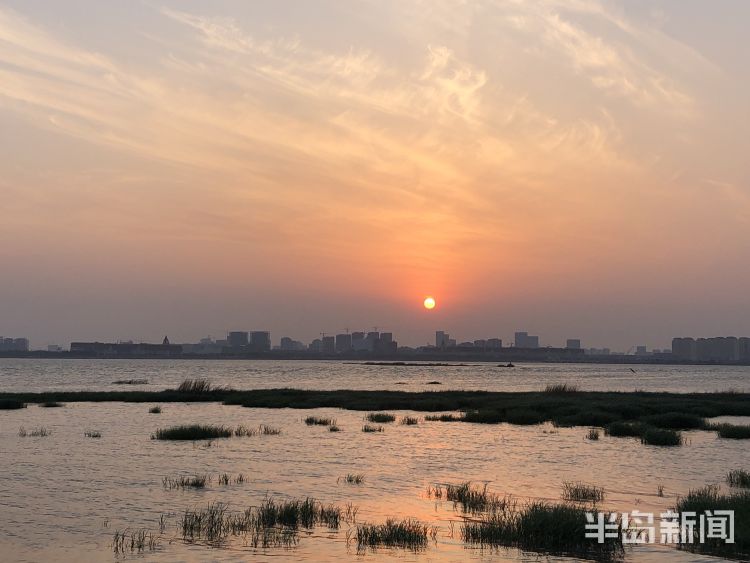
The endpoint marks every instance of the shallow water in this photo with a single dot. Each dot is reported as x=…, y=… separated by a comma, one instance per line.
x=38, y=375
x=63, y=496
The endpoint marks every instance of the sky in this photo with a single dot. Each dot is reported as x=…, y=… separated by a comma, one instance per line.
x=575, y=169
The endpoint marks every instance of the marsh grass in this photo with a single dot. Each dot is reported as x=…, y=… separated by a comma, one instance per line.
x=408, y=533
x=409, y=421
x=192, y=432
x=624, y=429
x=581, y=492
x=710, y=499
x=92, y=434
x=130, y=382
x=541, y=527
x=185, y=482
x=243, y=431
x=334, y=428
x=353, y=478
x=380, y=417
x=661, y=437
x=320, y=421
x=155, y=410
x=51, y=404
x=739, y=478
x=372, y=428
x=136, y=541
x=471, y=498
x=194, y=386
x=443, y=417
x=592, y=434
x=226, y=479
x=732, y=431
x=562, y=388
x=40, y=432
x=675, y=421
x=659, y=490
x=272, y=524
x=265, y=430
x=11, y=404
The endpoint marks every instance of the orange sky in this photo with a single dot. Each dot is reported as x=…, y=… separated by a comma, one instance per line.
x=574, y=169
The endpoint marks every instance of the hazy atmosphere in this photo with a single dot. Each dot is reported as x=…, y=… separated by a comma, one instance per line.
x=574, y=169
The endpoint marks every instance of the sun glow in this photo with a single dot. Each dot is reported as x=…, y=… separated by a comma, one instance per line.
x=429, y=303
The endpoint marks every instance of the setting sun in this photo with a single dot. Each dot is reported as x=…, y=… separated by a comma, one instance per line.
x=429, y=303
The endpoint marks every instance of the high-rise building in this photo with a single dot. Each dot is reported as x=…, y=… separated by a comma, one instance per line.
x=494, y=343
x=442, y=339
x=525, y=340
x=237, y=339
x=328, y=345
x=573, y=343
x=743, y=345
x=260, y=341
x=343, y=343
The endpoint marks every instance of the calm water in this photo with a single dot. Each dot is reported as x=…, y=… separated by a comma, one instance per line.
x=63, y=496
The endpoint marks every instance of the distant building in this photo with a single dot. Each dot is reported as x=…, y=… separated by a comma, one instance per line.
x=125, y=349
x=494, y=344
x=480, y=344
x=573, y=344
x=525, y=340
x=328, y=345
x=358, y=341
x=343, y=343
x=442, y=339
x=316, y=345
x=54, y=348
x=641, y=351
x=684, y=349
x=238, y=339
x=598, y=352
x=289, y=345
x=743, y=349
x=260, y=341
x=14, y=344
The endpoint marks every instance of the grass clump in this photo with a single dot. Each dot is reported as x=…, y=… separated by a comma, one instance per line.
x=192, y=432
x=581, y=492
x=380, y=417
x=472, y=499
x=624, y=429
x=155, y=410
x=372, y=428
x=11, y=404
x=739, y=478
x=334, y=428
x=408, y=533
x=265, y=430
x=51, y=404
x=592, y=434
x=194, y=386
x=661, y=437
x=409, y=420
x=558, y=529
x=732, y=431
x=675, y=421
x=710, y=499
x=273, y=523
x=443, y=418
x=320, y=421
x=354, y=478
x=92, y=434
x=40, y=432
x=136, y=541
x=562, y=388
x=185, y=482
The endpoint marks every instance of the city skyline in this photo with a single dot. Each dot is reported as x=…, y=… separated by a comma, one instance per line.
x=577, y=169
